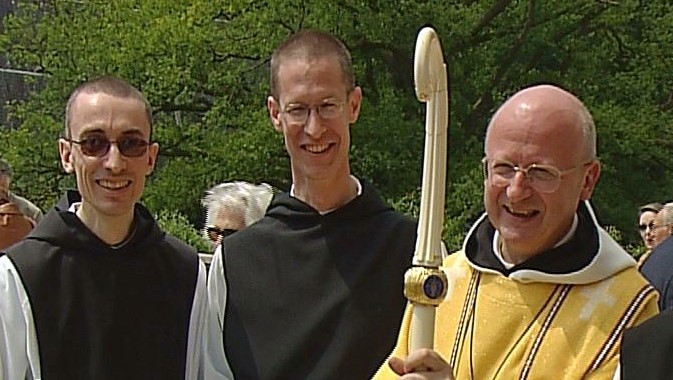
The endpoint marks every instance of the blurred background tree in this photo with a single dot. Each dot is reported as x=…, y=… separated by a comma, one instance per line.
x=204, y=66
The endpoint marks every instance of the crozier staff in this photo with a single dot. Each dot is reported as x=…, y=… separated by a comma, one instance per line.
x=425, y=284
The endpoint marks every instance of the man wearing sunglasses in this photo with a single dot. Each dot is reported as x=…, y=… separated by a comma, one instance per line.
x=97, y=290
x=539, y=290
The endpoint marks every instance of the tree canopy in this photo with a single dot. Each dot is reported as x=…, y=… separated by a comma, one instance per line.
x=204, y=66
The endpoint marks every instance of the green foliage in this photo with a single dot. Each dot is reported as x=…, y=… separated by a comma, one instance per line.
x=179, y=226
x=203, y=65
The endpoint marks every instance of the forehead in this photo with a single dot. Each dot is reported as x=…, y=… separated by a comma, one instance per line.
x=301, y=78
x=226, y=216
x=527, y=131
x=661, y=216
x=108, y=114
x=648, y=214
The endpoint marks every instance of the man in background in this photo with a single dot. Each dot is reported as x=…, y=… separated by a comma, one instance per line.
x=25, y=206
x=658, y=268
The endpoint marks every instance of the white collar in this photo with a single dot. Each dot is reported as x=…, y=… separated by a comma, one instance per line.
x=498, y=253
x=358, y=185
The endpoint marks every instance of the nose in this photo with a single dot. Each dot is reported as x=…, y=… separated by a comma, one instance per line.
x=314, y=126
x=518, y=187
x=114, y=160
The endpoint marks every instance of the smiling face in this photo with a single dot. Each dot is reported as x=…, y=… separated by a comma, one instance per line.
x=539, y=125
x=319, y=147
x=110, y=185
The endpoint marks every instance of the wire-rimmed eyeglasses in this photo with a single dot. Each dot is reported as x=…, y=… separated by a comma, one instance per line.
x=297, y=113
x=543, y=178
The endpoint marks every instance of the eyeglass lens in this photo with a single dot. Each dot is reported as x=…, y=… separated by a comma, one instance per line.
x=643, y=227
x=542, y=178
x=299, y=113
x=99, y=145
x=215, y=233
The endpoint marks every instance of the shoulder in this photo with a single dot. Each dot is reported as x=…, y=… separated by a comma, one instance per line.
x=656, y=334
x=179, y=248
x=629, y=283
x=660, y=260
x=23, y=202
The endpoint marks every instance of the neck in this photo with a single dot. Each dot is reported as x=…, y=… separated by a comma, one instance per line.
x=110, y=229
x=512, y=256
x=325, y=195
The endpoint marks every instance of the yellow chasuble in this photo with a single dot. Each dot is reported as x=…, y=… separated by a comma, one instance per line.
x=492, y=327
x=532, y=324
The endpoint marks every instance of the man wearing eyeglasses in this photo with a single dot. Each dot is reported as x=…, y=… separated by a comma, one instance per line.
x=97, y=290
x=313, y=290
x=646, y=349
x=658, y=268
x=539, y=290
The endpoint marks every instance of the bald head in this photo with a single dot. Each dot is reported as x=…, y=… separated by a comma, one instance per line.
x=543, y=104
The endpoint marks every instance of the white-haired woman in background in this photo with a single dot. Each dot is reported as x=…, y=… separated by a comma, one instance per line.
x=230, y=206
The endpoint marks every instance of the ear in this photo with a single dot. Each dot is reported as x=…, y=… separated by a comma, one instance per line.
x=274, y=113
x=152, y=152
x=590, y=180
x=354, y=103
x=65, y=152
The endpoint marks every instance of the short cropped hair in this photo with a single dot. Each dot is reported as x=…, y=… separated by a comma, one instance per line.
x=249, y=199
x=109, y=85
x=311, y=44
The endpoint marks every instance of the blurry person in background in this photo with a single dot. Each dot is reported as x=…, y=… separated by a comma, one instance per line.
x=25, y=206
x=230, y=206
x=646, y=215
x=658, y=268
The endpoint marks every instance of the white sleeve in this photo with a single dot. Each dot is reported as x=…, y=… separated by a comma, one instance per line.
x=215, y=364
x=618, y=372
x=197, y=326
x=19, y=355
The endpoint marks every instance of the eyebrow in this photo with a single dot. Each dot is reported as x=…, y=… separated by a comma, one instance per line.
x=94, y=130
x=328, y=99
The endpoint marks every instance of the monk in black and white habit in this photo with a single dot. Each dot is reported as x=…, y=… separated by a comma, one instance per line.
x=97, y=290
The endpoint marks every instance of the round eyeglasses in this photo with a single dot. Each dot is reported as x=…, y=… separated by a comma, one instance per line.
x=98, y=145
x=542, y=178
